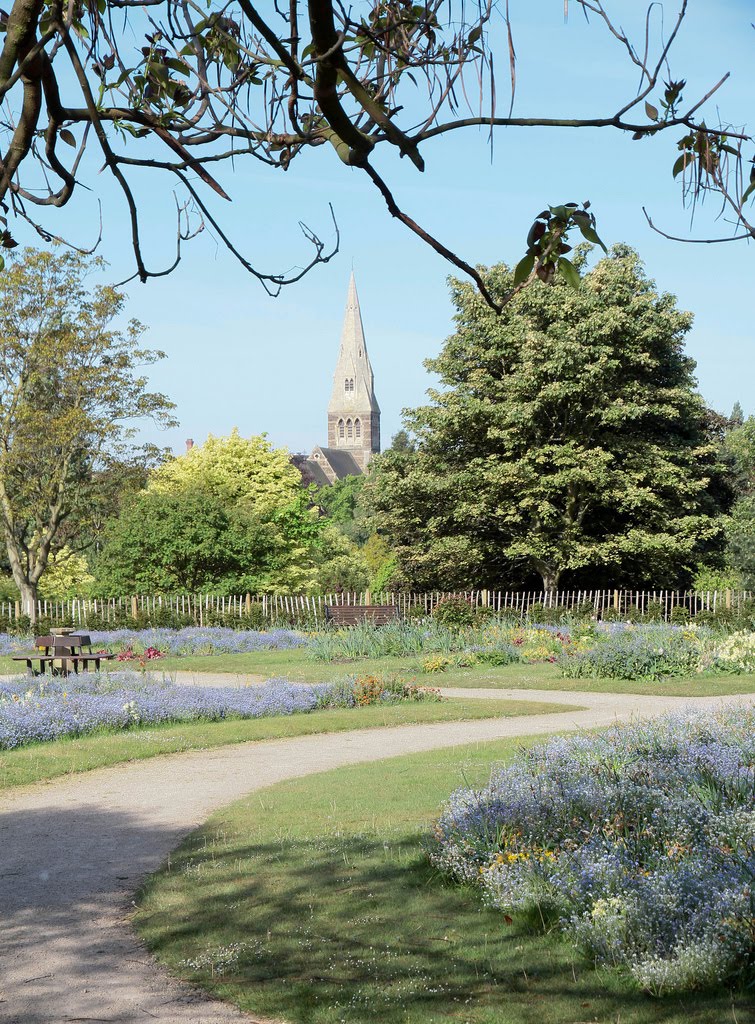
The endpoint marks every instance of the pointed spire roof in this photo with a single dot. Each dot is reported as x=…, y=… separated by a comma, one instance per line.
x=353, y=363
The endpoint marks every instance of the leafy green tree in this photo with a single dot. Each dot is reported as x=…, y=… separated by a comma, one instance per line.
x=340, y=563
x=380, y=561
x=255, y=528
x=340, y=503
x=401, y=441
x=70, y=386
x=187, y=540
x=67, y=575
x=740, y=445
x=567, y=438
x=737, y=417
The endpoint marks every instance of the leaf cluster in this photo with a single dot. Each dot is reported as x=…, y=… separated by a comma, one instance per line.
x=547, y=245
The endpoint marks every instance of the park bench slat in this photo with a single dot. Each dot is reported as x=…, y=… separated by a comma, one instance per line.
x=352, y=614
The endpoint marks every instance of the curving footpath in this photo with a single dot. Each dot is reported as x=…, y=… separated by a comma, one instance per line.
x=73, y=851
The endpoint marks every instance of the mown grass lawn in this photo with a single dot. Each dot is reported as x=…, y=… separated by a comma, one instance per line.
x=298, y=665
x=40, y=762
x=313, y=902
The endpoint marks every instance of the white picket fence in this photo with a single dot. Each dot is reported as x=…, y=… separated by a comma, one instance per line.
x=199, y=607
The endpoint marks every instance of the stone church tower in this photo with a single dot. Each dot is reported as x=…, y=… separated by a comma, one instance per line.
x=353, y=411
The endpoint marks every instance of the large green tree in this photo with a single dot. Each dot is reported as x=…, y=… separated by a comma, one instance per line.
x=70, y=388
x=567, y=438
x=187, y=541
x=340, y=503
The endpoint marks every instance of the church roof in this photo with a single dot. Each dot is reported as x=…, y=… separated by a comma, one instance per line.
x=341, y=461
x=353, y=364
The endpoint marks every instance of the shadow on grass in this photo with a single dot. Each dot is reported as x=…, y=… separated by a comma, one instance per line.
x=356, y=929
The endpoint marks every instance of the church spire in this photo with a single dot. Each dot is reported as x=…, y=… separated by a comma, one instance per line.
x=353, y=411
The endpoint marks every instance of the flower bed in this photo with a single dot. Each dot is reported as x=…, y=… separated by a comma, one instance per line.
x=532, y=643
x=645, y=652
x=599, y=650
x=50, y=709
x=121, y=700
x=198, y=640
x=639, y=842
x=190, y=640
x=733, y=654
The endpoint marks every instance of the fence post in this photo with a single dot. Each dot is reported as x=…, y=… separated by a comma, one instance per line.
x=134, y=608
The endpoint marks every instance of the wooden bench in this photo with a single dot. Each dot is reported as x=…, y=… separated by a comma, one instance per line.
x=351, y=614
x=62, y=654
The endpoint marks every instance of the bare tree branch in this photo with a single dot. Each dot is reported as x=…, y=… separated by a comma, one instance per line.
x=213, y=83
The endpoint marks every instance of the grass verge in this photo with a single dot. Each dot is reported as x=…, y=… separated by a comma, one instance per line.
x=312, y=901
x=296, y=665
x=40, y=762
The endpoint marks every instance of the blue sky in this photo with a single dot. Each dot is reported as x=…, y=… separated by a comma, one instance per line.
x=236, y=357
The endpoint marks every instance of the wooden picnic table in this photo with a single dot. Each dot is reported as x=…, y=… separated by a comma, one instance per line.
x=63, y=654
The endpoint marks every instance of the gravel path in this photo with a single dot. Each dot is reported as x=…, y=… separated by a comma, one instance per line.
x=74, y=850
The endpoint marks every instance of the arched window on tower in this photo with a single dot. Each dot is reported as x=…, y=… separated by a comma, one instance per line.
x=340, y=429
x=349, y=384
x=349, y=430
x=357, y=428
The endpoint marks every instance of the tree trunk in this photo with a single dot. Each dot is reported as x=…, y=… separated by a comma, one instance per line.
x=28, y=599
x=550, y=577
x=27, y=587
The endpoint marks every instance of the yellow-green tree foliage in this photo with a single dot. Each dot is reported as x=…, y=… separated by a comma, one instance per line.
x=239, y=469
x=67, y=575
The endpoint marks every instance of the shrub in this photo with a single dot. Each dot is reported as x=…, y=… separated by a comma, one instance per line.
x=498, y=656
x=390, y=689
x=679, y=615
x=454, y=611
x=654, y=611
x=416, y=613
x=367, y=690
x=612, y=615
x=437, y=663
x=639, y=842
x=551, y=615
